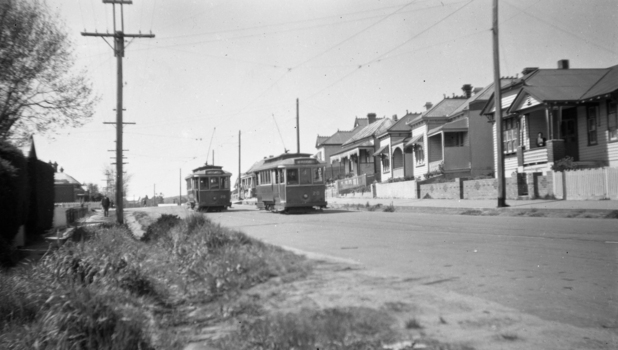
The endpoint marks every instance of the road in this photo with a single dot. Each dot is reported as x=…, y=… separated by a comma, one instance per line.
x=562, y=270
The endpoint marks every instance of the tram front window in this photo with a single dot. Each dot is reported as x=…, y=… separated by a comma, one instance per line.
x=203, y=183
x=292, y=176
x=214, y=183
x=317, y=176
x=305, y=176
x=225, y=183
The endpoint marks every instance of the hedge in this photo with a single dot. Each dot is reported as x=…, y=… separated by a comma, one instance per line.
x=14, y=189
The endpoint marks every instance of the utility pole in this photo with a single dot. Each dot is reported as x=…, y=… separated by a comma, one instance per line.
x=297, y=128
x=239, y=171
x=213, y=157
x=498, y=111
x=118, y=48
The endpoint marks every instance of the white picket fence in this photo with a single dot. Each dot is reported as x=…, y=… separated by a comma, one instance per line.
x=587, y=184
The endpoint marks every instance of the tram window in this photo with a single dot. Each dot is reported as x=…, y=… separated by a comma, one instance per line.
x=292, y=176
x=203, y=183
x=214, y=182
x=189, y=184
x=317, y=176
x=305, y=176
x=225, y=184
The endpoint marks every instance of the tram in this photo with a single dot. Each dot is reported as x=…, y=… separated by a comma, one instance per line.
x=208, y=188
x=290, y=182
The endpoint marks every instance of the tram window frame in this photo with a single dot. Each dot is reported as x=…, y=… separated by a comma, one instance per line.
x=216, y=181
x=318, y=175
x=291, y=180
x=224, y=182
x=189, y=185
x=202, y=181
x=304, y=179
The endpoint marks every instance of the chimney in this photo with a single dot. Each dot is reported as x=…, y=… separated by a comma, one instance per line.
x=371, y=117
x=428, y=105
x=395, y=117
x=529, y=70
x=55, y=166
x=563, y=64
x=467, y=89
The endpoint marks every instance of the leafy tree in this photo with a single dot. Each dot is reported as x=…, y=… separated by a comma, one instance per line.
x=38, y=90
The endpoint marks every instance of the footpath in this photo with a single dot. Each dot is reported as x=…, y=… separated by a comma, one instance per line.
x=539, y=207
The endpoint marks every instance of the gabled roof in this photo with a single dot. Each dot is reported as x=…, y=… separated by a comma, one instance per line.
x=376, y=128
x=445, y=107
x=461, y=124
x=562, y=84
x=401, y=124
x=320, y=140
x=485, y=94
x=607, y=84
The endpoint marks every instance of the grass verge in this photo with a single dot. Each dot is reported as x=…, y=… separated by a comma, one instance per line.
x=108, y=290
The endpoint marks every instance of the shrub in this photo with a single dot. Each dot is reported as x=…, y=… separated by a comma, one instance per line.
x=13, y=186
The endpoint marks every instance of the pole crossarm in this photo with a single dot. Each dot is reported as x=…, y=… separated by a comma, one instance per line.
x=121, y=2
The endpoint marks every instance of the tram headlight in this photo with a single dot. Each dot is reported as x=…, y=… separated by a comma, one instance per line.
x=305, y=197
x=214, y=198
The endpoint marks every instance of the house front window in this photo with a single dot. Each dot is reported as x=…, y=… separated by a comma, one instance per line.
x=612, y=120
x=510, y=133
x=419, y=154
x=455, y=139
x=592, y=125
x=386, y=164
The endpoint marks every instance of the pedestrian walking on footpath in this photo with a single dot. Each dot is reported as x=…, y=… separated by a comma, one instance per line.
x=105, y=205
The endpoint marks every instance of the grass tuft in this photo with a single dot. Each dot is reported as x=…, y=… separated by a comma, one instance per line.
x=413, y=324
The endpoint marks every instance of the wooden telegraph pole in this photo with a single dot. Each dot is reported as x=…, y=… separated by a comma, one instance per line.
x=118, y=48
x=297, y=128
x=498, y=111
x=239, y=171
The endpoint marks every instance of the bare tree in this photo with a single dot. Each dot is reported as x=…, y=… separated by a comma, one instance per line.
x=38, y=90
x=110, y=175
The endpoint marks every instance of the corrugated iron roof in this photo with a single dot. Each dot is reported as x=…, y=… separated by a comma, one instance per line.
x=401, y=124
x=64, y=178
x=445, y=107
x=562, y=84
x=376, y=128
x=366, y=144
x=607, y=84
x=484, y=94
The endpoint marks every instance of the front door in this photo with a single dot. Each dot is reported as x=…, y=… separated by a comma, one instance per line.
x=568, y=131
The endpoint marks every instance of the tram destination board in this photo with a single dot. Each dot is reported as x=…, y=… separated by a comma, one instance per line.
x=306, y=161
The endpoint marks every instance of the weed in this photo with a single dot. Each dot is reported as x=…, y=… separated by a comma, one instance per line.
x=472, y=212
x=389, y=208
x=509, y=336
x=612, y=215
x=413, y=324
x=536, y=215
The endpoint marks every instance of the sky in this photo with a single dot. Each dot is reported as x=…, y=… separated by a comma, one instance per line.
x=219, y=67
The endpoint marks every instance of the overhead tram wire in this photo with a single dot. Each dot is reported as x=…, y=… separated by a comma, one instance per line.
x=285, y=150
x=587, y=41
x=377, y=59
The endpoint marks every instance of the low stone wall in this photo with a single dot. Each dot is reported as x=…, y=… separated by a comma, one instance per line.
x=442, y=190
x=403, y=189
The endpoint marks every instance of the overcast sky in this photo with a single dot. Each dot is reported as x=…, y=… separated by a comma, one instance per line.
x=240, y=65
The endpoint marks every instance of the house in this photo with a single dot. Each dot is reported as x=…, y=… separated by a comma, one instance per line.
x=357, y=153
x=427, y=135
x=328, y=145
x=395, y=159
x=66, y=188
x=550, y=114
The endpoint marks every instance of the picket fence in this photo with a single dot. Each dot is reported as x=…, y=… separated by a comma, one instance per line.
x=587, y=184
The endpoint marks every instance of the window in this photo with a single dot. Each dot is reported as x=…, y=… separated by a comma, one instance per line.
x=455, y=139
x=214, y=183
x=397, y=158
x=189, y=184
x=203, y=183
x=264, y=177
x=592, y=125
x=612, y=120
x=318, y=177
x=305, y=176
x=510, y=135
x=225, y=183
x=292, y=176
x=386, y=163
x=419, y=153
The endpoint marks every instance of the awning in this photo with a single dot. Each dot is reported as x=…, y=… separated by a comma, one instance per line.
x=383, y=149
x=351, y=150
x=416, y=140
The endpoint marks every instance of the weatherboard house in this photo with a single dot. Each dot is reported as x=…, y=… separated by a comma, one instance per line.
x=395, y=159
x=550, y=114
x=329, y=145
x=357, y=153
